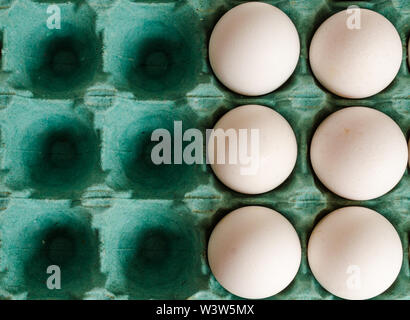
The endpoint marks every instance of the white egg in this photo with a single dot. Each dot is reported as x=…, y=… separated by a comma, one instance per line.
x=359, y=153
x=269, y=143
x=356, y=54
x=254, y=252
x=254, y=48
x=355, y=253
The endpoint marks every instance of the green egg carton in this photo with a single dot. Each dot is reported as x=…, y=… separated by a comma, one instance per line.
x=79, y=99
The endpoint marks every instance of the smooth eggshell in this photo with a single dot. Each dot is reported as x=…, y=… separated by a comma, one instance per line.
x=359, y=153
x=355, y=253
x=254, y=252
x=356, y=63
x=254, y=48
x=277, y=149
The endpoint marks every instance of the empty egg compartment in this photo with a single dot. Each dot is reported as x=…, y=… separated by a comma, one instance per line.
x=49, y=250
x=154, y=50
x=51, y=51
x=51, y=149
x=151, y=250
x=137, y=159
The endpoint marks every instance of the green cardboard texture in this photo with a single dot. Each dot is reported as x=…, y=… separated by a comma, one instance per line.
x=78, y=104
